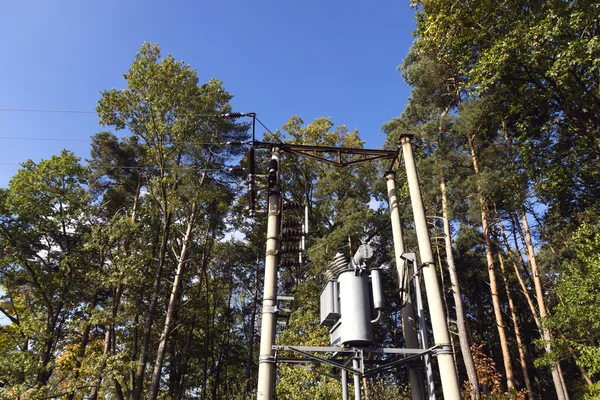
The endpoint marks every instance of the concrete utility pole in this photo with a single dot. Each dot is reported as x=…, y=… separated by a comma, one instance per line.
x=409, y=328
x=266, y=362
x=441, y=335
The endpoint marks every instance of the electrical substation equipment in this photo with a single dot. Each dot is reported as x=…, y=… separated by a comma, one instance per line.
x=250, y=180
x=352, y=299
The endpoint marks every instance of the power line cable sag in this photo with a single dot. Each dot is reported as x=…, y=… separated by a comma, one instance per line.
x=40, y=110
x=223, y=169
x=231, y=143
x=58, y=111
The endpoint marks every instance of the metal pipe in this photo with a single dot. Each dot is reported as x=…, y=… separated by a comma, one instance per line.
x=266, y=366
x=344, y=384
x=449, y=379
x=423, y=333
x=378, y=317
x=356, y=365
x=409, y=328
x=304, y=231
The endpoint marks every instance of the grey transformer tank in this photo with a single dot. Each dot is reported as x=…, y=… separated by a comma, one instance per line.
x=352, y=300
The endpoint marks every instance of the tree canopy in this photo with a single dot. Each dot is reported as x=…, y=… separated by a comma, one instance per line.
x=137, y=273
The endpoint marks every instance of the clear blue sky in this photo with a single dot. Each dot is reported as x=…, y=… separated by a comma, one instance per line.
x=279, y=58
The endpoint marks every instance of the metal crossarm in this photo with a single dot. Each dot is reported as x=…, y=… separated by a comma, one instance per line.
x=342, y=356
x=339, y=156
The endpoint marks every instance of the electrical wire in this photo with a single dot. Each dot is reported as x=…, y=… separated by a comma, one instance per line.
x=264, y=126
x=50, y=139
x=229, y=143
x=145, y=168
x=58, y=111
x=38, y=110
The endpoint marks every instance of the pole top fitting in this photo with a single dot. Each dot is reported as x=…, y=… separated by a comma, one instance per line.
x=389, y=174
x=406, y=138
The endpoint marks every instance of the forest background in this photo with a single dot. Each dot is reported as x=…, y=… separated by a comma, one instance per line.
x=122, y=279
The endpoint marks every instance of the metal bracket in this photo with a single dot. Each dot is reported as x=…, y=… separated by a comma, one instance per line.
x=266, y=359
x=271, y=309
x=410, y=257
x=443, y=349
x=342, y=356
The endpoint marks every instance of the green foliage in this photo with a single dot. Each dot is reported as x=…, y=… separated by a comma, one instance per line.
x=46, y=270
x=578, y=291
x=89, y=254
x=539, y=61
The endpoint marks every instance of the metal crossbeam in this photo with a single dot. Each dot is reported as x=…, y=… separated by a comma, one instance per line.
x=349, y=353
x=338, y=156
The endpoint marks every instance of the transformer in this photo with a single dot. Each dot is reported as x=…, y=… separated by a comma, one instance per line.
x=351, y=300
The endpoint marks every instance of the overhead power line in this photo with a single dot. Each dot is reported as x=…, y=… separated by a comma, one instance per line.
x=39, y=110
x=230, y=143
x=263, y=125
x=223, y=169
x=58, y=111
x=47, y=139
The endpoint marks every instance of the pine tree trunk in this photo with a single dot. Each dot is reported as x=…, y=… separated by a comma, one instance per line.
x=522, y=284
x=207, y=333
x=444, y=291
x=461, y=321
x=250, y=357
x=515, y=321
x=557, y=377
x=175, y=290
x=533, y=309
x=561, y=390
x=583, y=371
x=108, y=336
x=85, y=337
x=143, y=358
x=510, y=380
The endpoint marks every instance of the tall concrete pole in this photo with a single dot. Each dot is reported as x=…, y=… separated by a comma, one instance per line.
x=441, y=335
x=409, y=328
x=266, y=362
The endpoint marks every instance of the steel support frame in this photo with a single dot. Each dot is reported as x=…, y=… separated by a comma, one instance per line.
x=352, y=353
x=268, y=349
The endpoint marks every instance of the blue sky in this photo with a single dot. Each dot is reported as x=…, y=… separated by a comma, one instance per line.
x=310, y=58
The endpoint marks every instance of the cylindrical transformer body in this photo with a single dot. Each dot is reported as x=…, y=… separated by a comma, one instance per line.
x=355, y=309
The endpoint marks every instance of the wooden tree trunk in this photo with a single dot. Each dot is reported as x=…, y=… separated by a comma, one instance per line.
x=108, y=338
x=175, y=290
x=118, y=291
x=561, y=390
x=510, y=380
x=85, y=337
x=557, y=376
x=519, y=276
x=250, y=357
x=207, y=334
x=461, y=321
x=444, y=291
x=143, y=358
x=515, y=321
